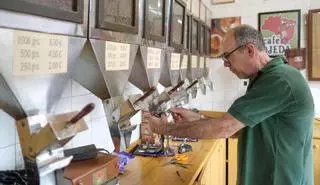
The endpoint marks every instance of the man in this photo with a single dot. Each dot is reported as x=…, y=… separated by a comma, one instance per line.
x=274, y=118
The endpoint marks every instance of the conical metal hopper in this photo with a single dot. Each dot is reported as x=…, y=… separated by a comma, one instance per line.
x=35, y=68
x=192, y=74
x=184, y=66
x=109, y=66
x=175, y=60
x=152, y=71
x=206, y=76
x=165, y=77
x=200, y=75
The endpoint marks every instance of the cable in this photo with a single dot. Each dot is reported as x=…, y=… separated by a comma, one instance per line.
x=103, y=150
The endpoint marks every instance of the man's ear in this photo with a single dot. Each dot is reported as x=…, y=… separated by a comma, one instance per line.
x=251, y=49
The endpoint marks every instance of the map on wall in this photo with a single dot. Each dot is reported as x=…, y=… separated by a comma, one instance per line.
x=280, y=31
x=219, y=27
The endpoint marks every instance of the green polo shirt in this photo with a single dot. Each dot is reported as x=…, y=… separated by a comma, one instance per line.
x=275, y=147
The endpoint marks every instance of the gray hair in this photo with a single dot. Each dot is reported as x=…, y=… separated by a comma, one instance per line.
x=244, y=34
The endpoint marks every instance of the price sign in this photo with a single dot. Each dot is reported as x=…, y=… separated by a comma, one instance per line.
x=184, y=63
x=175, y=61
x=194, y=61
x=117, y=56
x=201, y=62
x=39, y=53
x=153, y=58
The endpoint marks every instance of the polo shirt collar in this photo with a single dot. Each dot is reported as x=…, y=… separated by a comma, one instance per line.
x=273, y=63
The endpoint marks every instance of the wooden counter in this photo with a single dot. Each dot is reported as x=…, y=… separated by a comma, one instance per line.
x=151, y=171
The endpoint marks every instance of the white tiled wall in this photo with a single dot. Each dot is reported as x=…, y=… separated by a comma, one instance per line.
x=248, y=10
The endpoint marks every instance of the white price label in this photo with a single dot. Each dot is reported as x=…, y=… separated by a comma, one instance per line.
x=153, y=58
x=194, y=61
x=117, y=56
x=184, y=63
x=201, y=63
x=39, y=53
x=175, y=61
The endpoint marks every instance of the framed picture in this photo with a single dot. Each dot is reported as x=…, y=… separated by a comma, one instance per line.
x=219, y=27
x=296, y=57
x=280, y=30
x=313, y=45
x=222, y=1
x=177, y=24
x=121, y=16
x=67, y=10
x=154, y=20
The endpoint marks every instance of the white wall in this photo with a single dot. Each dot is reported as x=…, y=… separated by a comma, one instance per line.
x=248, y=10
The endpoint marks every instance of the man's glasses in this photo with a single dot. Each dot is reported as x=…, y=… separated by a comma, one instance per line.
x=226, y=56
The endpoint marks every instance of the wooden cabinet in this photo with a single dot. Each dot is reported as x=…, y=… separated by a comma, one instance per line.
x=232, y=161
x=316, y=156
x=214, y=172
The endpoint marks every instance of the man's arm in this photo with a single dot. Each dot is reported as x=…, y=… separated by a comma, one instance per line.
x=223, y=127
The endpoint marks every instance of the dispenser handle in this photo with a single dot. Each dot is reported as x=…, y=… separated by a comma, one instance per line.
x=176, y=87
x=146, y=94
x=192, y=84
x=86, y=110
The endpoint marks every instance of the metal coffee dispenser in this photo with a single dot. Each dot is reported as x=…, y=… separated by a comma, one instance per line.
x=115, y=62
x=34, y=70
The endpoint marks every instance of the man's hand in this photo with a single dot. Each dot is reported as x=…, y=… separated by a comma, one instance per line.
x=157, y=125
x=184, y=115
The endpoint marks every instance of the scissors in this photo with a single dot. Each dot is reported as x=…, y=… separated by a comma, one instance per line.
x=179, y=160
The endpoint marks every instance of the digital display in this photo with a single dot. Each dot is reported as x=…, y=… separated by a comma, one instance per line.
x=156, y=17
x=177, y=23
x=119, y=12
x=195, y=45
x=186, y=32
x=58, y=4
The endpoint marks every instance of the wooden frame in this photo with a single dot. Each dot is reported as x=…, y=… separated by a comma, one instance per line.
x=103, y=24
x=312, y=55
x=195, y=50
x=147, y=34
x=172, y=43
x=276, y=29
x=76, y=15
